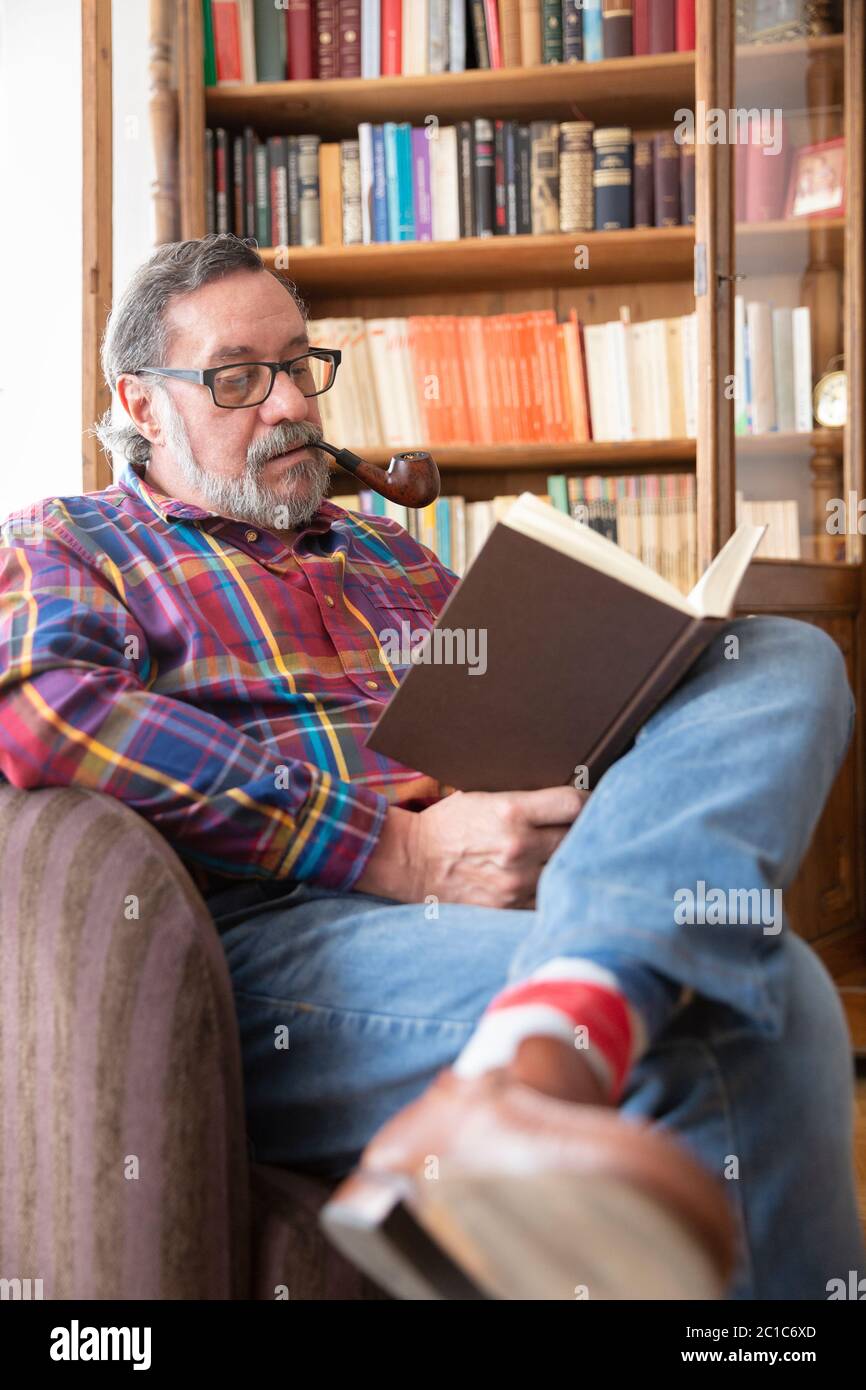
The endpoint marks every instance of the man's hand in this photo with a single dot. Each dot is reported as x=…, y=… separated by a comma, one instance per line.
x=486, y=848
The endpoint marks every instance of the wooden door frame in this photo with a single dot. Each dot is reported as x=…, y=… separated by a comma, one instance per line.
x=97, y=244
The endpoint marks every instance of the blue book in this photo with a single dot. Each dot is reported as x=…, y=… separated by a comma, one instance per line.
x=380, y=187
x=406, y=204
x=391, y=180
x=370, y=38
x=593, y=48
x=443, y=530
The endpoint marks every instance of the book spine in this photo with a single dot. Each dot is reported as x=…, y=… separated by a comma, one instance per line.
x=414, y=58
x=327, y=46
x=263, y=204
x=456, y=36
x=524, y=180
x=545, y=176
x=479, y=33
x=421, y=184
x=802, y=333
x=666, y=180
x=238, y=185
x=293, y=191
x=391, y=178
x=593, y=35
x=483, y=178
x=270, y=40
x=210, y=67
x=210, y=183
x=616, y=16
x=572, y=31
x=392, y=37
x=530, y=32
x=371, y=39
x=640, y=27
x=642, y=181
x=308, y=188
x=575, y=177
x=248, y=40
x=611, y=178
x=330, y=194
x=511, y=178
x=491, y=26
x=551, y=31
x=437, y=36
x=406, y=211
x=466, y=185
x=766, y=179
x=760, y=326
x=381, y=230
x=227, y=40
x=299, y=39
x=685, y=26
x=277, y=182
x=687, y=184
x=445, y=184
x=662, y=26
x=783, y=368
x=249, y=222
x=500, y=216
x=365, y=175
x=349, y=38
x=509, y=32
x=350, y=183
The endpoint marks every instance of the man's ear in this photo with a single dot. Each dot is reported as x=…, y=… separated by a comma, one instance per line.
x=137, y=401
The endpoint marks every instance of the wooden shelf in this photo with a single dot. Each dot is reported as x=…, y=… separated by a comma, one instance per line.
x=783, y=81
x=657, y=85
x=556, y=458
x=790, y=245
x=776, y=442
x=636, y=255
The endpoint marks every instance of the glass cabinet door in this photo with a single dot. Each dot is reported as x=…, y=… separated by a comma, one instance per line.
x=790, y=177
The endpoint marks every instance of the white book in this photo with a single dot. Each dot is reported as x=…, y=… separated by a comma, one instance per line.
x=674, y=343
x=437, y=36
x=802, y=330
x=783, y=367
x=444, y=175
x=690, y=374
x=246, y=23
x=414, y=38
x=370, y=39
x=594, y=337
x=456, y=36
x=365, y=160
x=741, y=412
x=658, y=362
x=759, y=323
x=383, y=377
x=617, y=379
x=641, y=393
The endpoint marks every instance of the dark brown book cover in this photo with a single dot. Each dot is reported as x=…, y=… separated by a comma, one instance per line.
x=662, y=26
x=666, y=180
x=616, y=35
x=327, y=48
x=642, y=181
x=238, y=185
x=574, y=662
x=687, y=184
x=349, y=23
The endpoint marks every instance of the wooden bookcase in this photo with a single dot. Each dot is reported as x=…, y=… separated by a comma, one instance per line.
x=658, y=272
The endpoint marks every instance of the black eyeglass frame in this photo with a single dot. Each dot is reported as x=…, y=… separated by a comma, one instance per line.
x=207, y=376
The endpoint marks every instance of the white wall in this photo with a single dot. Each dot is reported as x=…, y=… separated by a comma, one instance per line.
x=134, y=170
x=40, y=250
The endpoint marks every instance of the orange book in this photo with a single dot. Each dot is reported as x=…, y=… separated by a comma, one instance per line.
x=582, y=417
x=331, y=194
x=562, y=359
x=458, y=383
x=417, y=336
x=470, y=371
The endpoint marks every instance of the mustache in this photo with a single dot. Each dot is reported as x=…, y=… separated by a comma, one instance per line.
x=281, y=440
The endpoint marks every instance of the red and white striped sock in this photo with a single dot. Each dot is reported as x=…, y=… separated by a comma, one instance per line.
x=572, y=999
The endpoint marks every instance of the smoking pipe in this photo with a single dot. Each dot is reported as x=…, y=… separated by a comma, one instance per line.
x=411, y=478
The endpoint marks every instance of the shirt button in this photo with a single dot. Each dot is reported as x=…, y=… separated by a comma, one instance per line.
x=251, y=535
x=372, y=685
x=329, y=601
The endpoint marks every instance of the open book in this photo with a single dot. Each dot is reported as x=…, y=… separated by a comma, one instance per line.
x=550, y=655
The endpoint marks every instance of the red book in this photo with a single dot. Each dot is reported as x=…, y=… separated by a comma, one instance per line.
x=767, y=179
x=349, y=26
x=491, y=24
x=391, y=20
x=299, y=39
x=661, y=26
x=685, y=26
x=327, y=45
x=640, y=26
x=227, y=40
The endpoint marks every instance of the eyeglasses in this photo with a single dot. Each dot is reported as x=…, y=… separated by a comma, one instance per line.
x=244, y=384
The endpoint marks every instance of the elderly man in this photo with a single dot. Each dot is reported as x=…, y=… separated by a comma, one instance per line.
x=535, y=1078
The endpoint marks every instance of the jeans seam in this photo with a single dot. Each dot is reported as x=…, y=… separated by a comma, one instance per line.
x=308, y=1008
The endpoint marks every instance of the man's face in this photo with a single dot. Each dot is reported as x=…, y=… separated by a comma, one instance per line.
x=253, y=464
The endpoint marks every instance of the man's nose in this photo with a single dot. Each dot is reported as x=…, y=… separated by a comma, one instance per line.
x=286, y=401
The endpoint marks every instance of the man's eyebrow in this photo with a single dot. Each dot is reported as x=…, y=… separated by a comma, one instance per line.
x=228, y=352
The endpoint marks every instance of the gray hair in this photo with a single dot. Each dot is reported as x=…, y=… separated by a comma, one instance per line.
x=137, y=334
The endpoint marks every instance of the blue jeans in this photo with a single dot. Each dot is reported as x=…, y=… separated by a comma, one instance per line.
x=723, y=785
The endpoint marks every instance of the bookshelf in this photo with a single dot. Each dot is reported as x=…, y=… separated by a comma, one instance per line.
x=655, y=271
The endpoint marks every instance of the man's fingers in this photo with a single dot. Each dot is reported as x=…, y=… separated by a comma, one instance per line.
x=550, y=805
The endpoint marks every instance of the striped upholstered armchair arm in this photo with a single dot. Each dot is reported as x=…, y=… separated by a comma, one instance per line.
x=123, y=1163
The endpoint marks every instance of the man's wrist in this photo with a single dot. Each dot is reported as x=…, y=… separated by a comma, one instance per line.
x=391, y=869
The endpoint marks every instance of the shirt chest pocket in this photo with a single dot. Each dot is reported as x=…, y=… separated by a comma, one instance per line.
x=400, y=619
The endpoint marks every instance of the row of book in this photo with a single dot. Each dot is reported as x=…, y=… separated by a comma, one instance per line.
x=517, y=378
x=782, y=519
x=772, y=368
x=275, y=40
x=479, y=178
x=652, y=516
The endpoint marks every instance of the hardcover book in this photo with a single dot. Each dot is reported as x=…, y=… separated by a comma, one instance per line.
x=580, y=642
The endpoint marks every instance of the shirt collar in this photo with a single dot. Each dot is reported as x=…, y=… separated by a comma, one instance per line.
x=132, y=481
